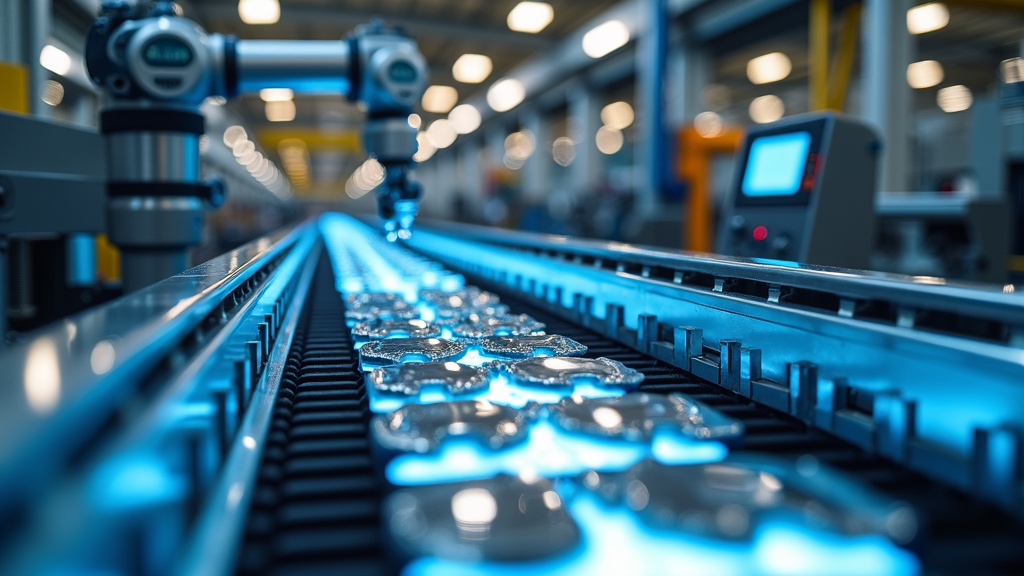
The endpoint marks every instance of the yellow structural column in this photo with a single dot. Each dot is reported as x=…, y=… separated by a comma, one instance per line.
x=821, y=12
x=13, y=88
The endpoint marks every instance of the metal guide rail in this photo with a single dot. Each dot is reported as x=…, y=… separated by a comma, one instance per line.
x=922, y=372
x=118, y=421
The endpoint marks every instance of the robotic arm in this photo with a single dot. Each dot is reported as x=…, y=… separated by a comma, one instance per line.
x=155, y=70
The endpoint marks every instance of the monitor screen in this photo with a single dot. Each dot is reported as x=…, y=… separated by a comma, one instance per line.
x=775, y=165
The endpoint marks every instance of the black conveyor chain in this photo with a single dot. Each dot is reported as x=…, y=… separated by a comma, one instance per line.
x=316, y=506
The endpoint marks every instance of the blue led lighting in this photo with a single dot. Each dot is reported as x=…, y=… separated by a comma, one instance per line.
x=615, y=541
x=548, y=452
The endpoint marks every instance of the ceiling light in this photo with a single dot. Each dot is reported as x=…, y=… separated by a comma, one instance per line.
x=927, y=17
x=280, y=111
x=955, y=98
x=441, y=134
x=769, y=68
x=708, y=124
x=276, y=94
x=505, y=94
x=472, y=68
x=924, y=74
x=1011, y=70
x=425, y=149
x=55, y=60
x=465, y=118
x=765, y=109
x=439, y=99
x=415, y=121
x=234, y=134
x=520, y=145
x=530, y=17
x=563, y=150
x=259, y=11
x=609, y=140
x=605, y=39
x=242, y=147
x=617, y=115
x=53, y=92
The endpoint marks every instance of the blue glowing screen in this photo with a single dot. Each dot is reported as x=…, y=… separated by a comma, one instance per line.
x=775, y=165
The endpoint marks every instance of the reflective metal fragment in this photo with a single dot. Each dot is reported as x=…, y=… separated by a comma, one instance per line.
x=480, y=326
x=409, y=379
x=499, y=519
x=567, y=371
x=731, y=499
x=530, y=346
x=635, y=416
x=397, y=350
x=378, y=305
x=422, y=427
x=378, y=329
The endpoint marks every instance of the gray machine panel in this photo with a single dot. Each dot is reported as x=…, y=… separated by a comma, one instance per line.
x=804, y=193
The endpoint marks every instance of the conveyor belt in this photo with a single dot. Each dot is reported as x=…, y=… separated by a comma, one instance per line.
x=318, y=494
x=315, y=510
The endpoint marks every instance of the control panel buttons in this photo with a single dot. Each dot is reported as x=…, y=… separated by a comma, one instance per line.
x=780, y=243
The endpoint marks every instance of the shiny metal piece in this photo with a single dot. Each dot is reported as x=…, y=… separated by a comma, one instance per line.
x=409, y=379
x=380, y=329
x=502, y=519
x=530, y=346
x=153, y=157
x=469, y=297
x=378, y=306
x=481, y=325
x=733, y=498
x=564, y=371
x=396, y=351
x=423, y=427
x=636, y=417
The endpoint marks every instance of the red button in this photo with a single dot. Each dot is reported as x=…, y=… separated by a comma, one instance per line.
x=760, y=233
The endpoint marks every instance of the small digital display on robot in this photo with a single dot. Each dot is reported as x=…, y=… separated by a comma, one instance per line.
x=167, y=52
x=402, y=72
x=775, y=165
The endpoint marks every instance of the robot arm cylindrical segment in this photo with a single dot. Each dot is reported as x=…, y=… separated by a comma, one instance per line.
x=320, y=66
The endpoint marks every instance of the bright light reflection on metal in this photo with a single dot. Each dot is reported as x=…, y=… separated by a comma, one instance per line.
x=548, y=452
x=42, y=376
x=102, y=357
x=615, y=541
x=500, y=391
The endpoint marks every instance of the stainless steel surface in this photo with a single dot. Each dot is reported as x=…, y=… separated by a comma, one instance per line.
x=984, y=300
x=154, y=235
x=302, y=65
x=938, y=389
x=153, y=157
x=390, y=139
x=213, y=544
x=74, y=374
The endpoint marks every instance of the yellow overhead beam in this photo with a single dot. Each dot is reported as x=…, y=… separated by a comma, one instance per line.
x=344, y=141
